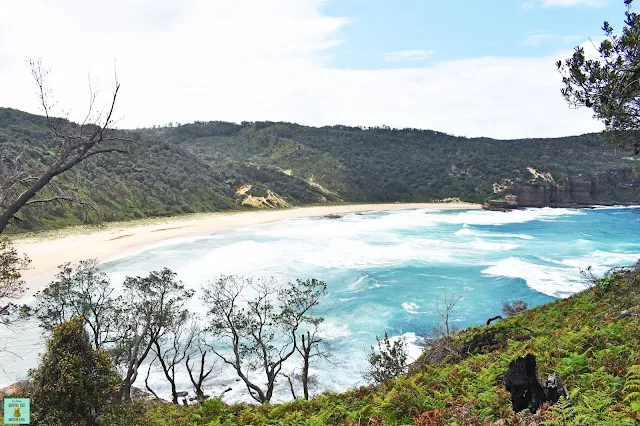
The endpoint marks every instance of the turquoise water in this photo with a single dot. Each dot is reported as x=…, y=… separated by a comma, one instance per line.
x=386, y=270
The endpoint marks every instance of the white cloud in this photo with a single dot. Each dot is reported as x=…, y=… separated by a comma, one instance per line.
x=536, y=38
x=408, y=55
x=256, y=60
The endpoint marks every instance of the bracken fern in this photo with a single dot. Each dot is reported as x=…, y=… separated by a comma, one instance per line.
x=632, y=388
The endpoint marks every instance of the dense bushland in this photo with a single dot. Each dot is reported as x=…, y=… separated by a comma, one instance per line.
x=198, y=167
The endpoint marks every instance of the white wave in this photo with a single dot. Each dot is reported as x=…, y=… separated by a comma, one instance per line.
x=414, y=347
x=265, y=257
x=411, y=307
x=468, y=231
x=489, y=246
x=485, y=217
x=354, y=225
x=562, y=278
x=601, y=261
x=358, y=284
x=615, y=207
x=330, y=329
x=376, y=285
x=556, y=281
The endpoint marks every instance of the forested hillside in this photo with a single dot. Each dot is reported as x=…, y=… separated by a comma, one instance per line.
x=216, y=166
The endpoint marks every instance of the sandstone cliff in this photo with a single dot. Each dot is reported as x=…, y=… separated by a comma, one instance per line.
x=613, y=187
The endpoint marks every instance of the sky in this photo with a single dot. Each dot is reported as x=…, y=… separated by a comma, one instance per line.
x=465, y=67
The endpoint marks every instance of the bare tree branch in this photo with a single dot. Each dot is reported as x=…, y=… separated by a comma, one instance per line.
x=74, y=144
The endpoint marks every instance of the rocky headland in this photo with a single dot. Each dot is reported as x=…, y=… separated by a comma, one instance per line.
x=613, y=187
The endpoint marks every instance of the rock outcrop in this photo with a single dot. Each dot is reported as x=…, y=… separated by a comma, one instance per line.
x=578, y=191
x=270, y=201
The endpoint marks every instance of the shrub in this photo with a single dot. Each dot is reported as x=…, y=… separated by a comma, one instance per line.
x=389, y=361
x=514, y=307
x=74, y=383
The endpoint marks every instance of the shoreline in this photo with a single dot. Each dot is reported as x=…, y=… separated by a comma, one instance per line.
x=50, y=249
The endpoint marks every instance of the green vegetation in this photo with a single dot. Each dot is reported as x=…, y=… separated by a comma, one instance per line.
x=74, y=383
x=12, y=287
x=608, y=84
x=388, y=361
x=198, y=167
x=590, y=339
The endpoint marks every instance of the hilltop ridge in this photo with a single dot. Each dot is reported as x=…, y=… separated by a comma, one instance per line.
x=217, y=166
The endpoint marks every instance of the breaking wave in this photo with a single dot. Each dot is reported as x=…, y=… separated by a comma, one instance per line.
x=386, y=270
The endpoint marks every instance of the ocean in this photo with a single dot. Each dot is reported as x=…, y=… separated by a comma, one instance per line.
x=386, y=271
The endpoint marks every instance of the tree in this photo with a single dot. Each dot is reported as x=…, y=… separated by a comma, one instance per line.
x=74, y=144
x=260, y=332
x=11, y=284
x=388, y=361
x=310, y=346
x=444, y=329
x=295, y=379
x=74, y=382
x=173, y=348
x=149, y=316
x=151, y=305
x=439, y=343
x=609, y=84
x=199, y=361
x=84, y=292
x=303, y=297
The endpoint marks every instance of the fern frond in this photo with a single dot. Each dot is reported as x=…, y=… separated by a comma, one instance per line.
x=562, y=413
x=632, y=384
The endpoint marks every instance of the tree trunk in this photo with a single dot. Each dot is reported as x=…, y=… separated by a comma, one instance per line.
x=293, y=392
x=526, y=390
x=305, y=374
x=28, y=194
x=165, y=369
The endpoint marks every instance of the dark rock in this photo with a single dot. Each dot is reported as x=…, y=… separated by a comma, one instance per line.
x=524, y=385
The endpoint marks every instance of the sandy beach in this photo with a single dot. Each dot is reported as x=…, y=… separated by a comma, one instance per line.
x=124, y=239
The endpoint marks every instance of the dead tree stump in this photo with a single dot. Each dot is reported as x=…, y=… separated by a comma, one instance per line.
x=524, y=385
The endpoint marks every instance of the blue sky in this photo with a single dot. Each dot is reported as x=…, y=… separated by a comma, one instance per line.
x=465, y=67
x=457, y=29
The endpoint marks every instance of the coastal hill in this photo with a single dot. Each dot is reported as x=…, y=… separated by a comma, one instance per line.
x=216, y=166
